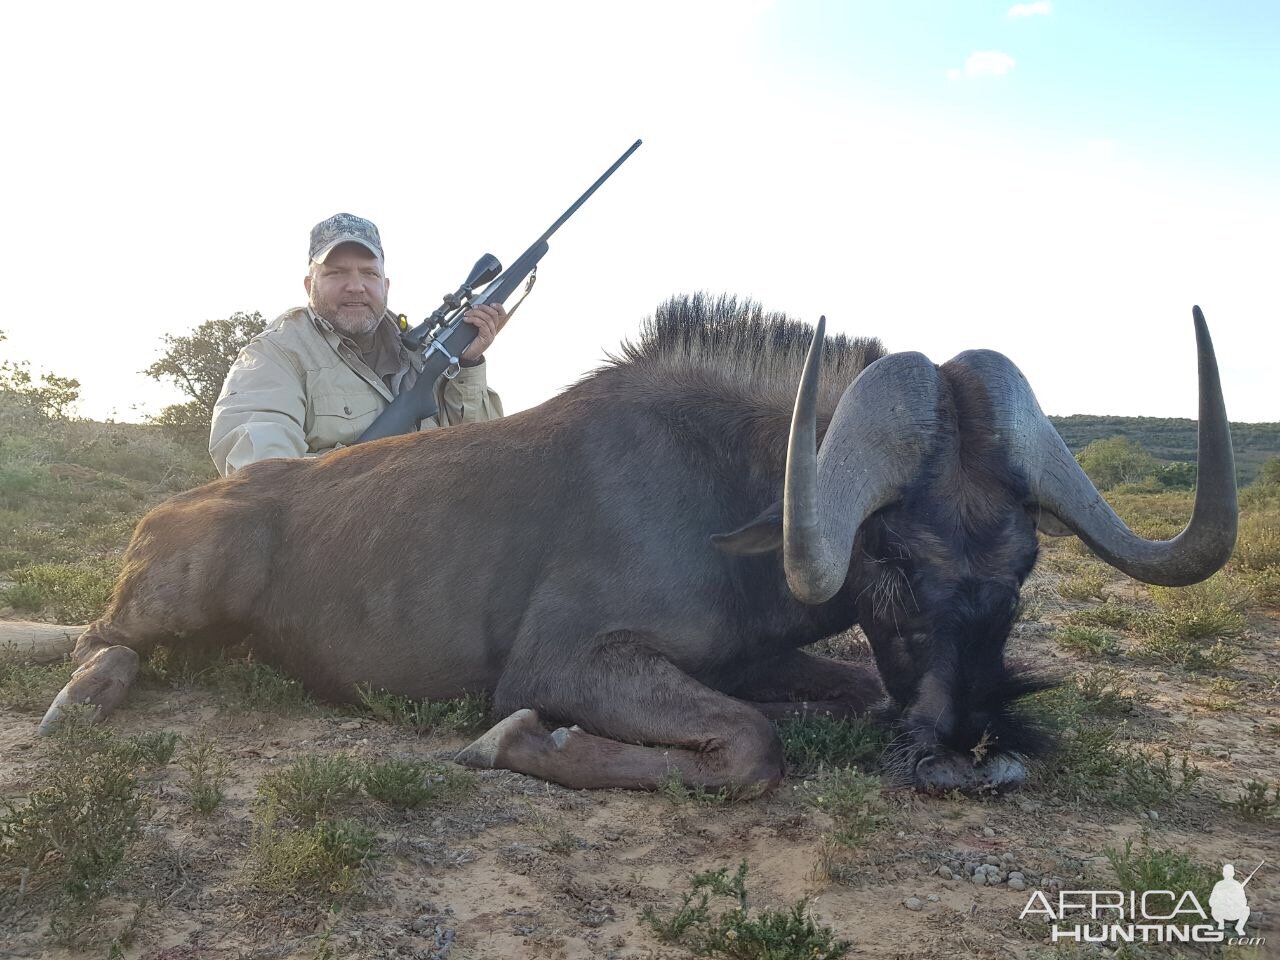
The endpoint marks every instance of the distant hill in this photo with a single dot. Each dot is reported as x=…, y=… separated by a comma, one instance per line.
x=1170, y=438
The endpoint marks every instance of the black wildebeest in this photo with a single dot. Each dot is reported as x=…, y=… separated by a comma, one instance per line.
x=644, y=557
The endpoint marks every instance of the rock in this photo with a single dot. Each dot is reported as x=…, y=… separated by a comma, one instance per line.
x=945, y=873
x=988, y=832
x=902, y=835
x=349, y=725
x=913, y=903
x=979, y=879
x=1017, y=883
x=1016, y=875
x=934, y=898
x=991, y=861
x=1007, y=858
x=1151, y=814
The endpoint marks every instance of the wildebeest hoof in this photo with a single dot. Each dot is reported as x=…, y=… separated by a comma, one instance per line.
x=487, y=753
x=99, y=684
x=956, y=772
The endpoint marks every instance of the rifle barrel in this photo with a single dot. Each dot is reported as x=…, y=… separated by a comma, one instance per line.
x=590, y=190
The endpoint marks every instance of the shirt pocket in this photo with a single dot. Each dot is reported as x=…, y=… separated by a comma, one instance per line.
x=340, y=418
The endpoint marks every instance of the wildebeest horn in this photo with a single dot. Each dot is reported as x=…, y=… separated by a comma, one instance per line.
x=879, y=435
x=1060, y=486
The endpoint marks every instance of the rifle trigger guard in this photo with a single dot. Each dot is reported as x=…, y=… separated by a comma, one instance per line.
x=453, y=369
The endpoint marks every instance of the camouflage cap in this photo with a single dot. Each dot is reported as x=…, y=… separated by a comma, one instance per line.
x=343, y=228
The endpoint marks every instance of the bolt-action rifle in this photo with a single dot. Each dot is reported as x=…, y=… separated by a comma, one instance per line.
x=442, y=337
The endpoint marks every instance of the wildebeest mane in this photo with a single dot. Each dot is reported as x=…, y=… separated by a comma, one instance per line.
x=750, y=347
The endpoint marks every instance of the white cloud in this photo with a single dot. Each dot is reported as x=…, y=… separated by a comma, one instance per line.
x=984, y=63
x=1041, y=8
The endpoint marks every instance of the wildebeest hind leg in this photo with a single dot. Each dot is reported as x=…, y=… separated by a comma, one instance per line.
x=153, y=601
x=638, y=720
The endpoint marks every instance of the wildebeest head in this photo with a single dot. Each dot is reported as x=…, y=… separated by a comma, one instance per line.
x=923, y=505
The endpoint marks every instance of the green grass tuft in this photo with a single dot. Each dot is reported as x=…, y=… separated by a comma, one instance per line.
x=820, y=742
x=1153, y=868
x=852, y=799
x=405, y=784
x=739, y=932
x=323, y=860
x=72, y=832
x=1088, y=641
x=1254, y=803
x=206, y=772
x=31, y=687
x=311, y=787
x=467, y=714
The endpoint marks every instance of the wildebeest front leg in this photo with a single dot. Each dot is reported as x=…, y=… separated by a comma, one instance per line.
x=637, y=720
x=802, y=683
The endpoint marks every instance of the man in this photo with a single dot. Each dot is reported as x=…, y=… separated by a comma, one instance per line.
x=318, y=375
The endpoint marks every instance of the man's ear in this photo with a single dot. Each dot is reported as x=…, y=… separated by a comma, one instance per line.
x=306, y=284
x=761, y=535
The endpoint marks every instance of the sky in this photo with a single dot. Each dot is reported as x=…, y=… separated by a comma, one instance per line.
x=1057, y=180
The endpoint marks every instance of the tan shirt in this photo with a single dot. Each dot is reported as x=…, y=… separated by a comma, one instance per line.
x=300, y=389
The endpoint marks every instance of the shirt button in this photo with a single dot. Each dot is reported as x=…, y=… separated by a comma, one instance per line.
x=347, y=411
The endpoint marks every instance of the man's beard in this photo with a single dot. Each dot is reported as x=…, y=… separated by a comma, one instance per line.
x=351, y=329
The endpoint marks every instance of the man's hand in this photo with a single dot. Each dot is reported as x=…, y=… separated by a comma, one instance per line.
x=488, y=319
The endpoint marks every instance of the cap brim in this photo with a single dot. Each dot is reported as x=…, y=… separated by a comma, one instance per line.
x=330, y=247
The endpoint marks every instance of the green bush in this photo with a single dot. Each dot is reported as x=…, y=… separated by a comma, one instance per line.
x=822, y=741
x=68, y=592
x=1116, y=460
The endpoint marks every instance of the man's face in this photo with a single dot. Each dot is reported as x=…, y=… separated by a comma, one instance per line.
x=349, y=289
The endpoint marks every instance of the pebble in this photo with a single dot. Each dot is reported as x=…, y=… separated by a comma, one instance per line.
x=1151, y=814
x=1017, y=883
x=913, y=903
x=1008, y=858
x=988, y=832
x=934, y=898
x=991, y=861
x=349, y=725
x=1017, y=875
x=979, y=879
x=945, y=873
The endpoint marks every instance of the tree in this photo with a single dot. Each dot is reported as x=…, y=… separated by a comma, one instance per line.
x=50, y=397
x=1116, y=460
x=197, y=364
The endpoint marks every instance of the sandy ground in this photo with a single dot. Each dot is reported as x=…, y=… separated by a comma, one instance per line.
x=526, y=869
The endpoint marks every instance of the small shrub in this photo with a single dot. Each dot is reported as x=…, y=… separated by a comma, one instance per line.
x=1116, y=460
x=822, y=741
x=852, y=799
x=552, y=833
x=1112, y=615
x=256, y=684
x=674, y=789
x=1210, y=610
x=1258, y=542
x=153, y=749
x=1188, y=654
x=325, y=859
x=405, y=784
x=1105, y=692
x=31, y=687
x=69, y=592
x=738, y=932
x=1088, y=641
x=466, y=714
x=1154, y=781
x=1265, y=584
x=1154, y=868
x=74, y=829
x=206, y=772
x=311, y=786
x=1254, y=803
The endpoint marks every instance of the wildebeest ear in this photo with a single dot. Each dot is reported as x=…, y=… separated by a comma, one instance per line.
x=1047, y=523
x=761, y=535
